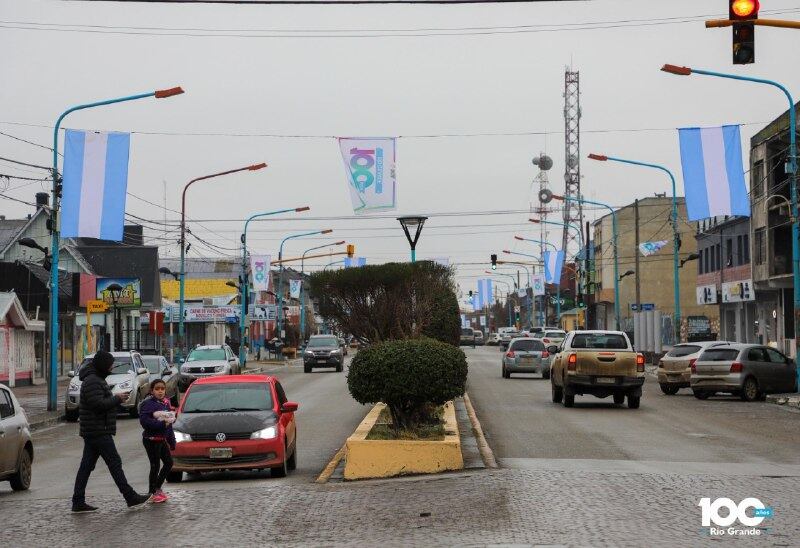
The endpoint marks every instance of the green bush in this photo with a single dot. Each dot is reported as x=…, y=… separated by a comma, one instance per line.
x=445, y=319
x=411, y=377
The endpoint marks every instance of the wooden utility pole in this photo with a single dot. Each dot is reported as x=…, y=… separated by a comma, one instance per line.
x=636, y=254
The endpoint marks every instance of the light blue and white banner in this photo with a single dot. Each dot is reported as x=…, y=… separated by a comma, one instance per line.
x=370, y=166
x=95, y=183
x=464, y=322
x=713, y=176
x=484, y=293
x=651, y=248
x=553, y=263
x=354, y=261
x=294, y=288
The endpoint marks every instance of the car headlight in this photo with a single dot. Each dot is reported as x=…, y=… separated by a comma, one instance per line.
x=74, y=386
x=124, y=385
x=269, y=433
x=181, y=437
x=219, y=368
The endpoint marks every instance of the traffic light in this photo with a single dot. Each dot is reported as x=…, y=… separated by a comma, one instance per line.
x=743, y=12
x=351, y=250
x=494, y=261
x=470, y=293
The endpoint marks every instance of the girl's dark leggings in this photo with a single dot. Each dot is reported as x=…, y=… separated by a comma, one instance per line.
x=158, y=452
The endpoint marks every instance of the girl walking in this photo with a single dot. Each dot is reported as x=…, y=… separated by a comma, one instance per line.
x=156, y=416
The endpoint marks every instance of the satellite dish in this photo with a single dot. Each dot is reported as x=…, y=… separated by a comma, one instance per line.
x=545, y=196
x=544, y=162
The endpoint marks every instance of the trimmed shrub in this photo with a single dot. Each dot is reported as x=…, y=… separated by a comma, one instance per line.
x=410, y=376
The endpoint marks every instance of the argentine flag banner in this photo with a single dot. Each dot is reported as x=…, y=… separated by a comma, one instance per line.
x=713, y=176
x=553, y=263
x=484, y=292
x=95, y=182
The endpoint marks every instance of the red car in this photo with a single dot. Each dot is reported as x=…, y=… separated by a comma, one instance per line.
x=235, y=422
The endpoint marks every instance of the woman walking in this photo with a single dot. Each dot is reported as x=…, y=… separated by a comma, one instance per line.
x=156, y=416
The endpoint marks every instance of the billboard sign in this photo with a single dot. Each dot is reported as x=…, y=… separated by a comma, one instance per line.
x=129, y=297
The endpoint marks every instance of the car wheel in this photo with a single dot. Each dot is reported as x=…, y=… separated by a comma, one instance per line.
x=70, y=416
x=546, y=374
x=619, y=399
x=339, y=368
x=291, y=464
x=21, y=481
x=633, y=402
x=281, y=470
x=569, y=400
x=557, y=392
x=306, y=369
x=134, y=411
x=750, y=391
x=175, y=477
x=669, y=389
x=701, y=394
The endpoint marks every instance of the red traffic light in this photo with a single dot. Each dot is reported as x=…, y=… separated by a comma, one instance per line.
x=742, y=10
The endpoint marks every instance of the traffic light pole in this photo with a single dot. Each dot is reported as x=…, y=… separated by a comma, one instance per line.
x=720, y=23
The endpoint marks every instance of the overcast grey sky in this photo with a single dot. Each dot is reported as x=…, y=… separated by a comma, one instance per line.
x=277, y=81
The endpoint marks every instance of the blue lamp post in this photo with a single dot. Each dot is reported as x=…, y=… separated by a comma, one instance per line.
x=528, y=272
x=558, y=285
x=244, y=284
x=52, y=396
x=676, y=239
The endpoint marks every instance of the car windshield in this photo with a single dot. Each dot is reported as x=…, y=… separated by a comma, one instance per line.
x=322, y=341
x=719, y=355
x=527, y=345
x=610, y=341
x=121, y=365
x=228, y=396
x=555, y=334
x=199, y=354
x=153, y=363
x=683, y=350
x=467, y=333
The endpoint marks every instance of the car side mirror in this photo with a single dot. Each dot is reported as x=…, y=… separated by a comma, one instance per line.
x=232, y=359
x=142, y=371
x=552, y=349
x=71, y=374
x=181, y=360
x=289, y=407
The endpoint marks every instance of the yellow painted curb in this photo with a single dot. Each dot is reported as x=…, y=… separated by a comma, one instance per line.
x=386, y=458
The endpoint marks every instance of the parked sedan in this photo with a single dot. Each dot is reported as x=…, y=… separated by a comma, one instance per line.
x=235, y=422
x=208, y=361
x=128, y=374
x=675, y=368
x=16, y=447
x=493, y=339
x=478, y=337
x=746, y=370
x=323, y=351
x=552, y=337
x=526, y=355
x=159, y=368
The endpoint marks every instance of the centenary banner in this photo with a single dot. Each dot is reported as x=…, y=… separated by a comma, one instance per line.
x=370, y=166
x=537, y=284
x=259, y=270
x=651, y=248
x=713, y=176
x=95, y=184
x=294, y=288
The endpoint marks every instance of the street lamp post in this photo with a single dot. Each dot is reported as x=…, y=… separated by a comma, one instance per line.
x=52, y=396
x=676, y=239
x=686, y=71
x=280, y=272
x=303, y=292
x=254, y=167
x=340, y=261
x=508, y=292
x=409, y=223
x=244, y=293
x=116, y=290
x=558, y=285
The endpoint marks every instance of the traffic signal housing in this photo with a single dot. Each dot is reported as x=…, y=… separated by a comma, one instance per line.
x=743, y=13
x=494, y=261
x=351, y=250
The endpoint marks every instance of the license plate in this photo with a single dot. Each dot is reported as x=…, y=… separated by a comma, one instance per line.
x=220, y=453
x=322, y=360
x=526, y=361
x=606, y=380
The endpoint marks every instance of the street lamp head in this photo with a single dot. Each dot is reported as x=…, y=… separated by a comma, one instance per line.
x=520, y=238
x=30, y=242
x=675, y=69
x=598, y=157
x=412, y=220
x=256, y=167
x=340, y=242
x=537, y=221
x=301, y=209
x=231, y=284
x=507, y=252
x=171, y=92
x=327, y=231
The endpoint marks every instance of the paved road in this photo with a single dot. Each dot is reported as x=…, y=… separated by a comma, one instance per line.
x=668, y=433
x=326, y=417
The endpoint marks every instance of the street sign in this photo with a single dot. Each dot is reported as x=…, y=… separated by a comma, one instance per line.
x=644, y=307
x=516, y=309
x=95, y=305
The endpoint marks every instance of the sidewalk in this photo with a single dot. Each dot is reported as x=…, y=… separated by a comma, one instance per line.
x=789, y=400
x=33, y=400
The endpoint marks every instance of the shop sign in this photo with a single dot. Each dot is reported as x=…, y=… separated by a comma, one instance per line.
x=737, y=292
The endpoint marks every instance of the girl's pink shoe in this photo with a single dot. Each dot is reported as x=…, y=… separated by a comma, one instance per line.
x=159, y=496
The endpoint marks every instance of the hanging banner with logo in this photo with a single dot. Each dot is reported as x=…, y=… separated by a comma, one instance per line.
x=294, y=288
x=483, y=321
x=537, y=284
x=370, y=167
x=522, y=292
x=129, y=297
x=651, y=248
x=259, y=270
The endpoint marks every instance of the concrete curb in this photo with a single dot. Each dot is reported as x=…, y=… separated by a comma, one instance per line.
x=486, y=452
x=44, y=420
x=788, y=400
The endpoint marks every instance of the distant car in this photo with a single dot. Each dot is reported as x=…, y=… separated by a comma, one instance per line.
x=467, y=337
x=343, y=346
x=128, y=374
x=235, y=422
x=552, y=337
x=675, y=368
x=506, y=334
x=323, y=351
x=526, y=355
x=479, y=337
x=746, y=370
x=16, y=446
x=159, y=368
x=493, y=339
x=213, y=360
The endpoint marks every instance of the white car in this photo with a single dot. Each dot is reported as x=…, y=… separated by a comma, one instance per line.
x=16, y=447
x=211, y=360
x=128, y=374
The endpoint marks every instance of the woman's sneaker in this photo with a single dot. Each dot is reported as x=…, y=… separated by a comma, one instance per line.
x=159, y=496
